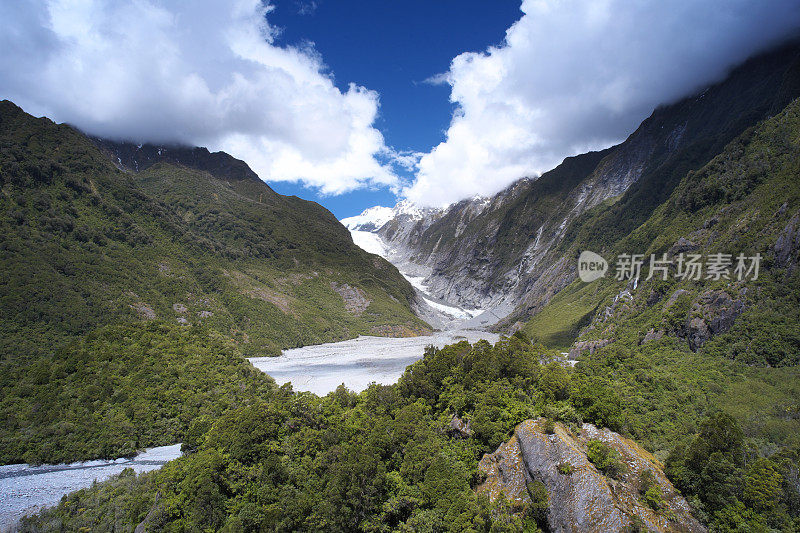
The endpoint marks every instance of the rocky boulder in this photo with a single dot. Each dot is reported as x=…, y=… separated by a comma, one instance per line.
x=459, y=428
x=587, y=346
x=788, y=243
x=355, y=300
x=580, y=497
x=713, y=313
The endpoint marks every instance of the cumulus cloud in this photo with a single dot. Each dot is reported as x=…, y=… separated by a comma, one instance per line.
x=206, y=73
x=576, y=75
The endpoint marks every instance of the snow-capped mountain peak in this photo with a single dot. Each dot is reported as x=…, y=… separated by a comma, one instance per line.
x=370, y=219
x=373, y=218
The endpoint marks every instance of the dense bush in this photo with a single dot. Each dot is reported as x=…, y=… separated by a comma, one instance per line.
x=84, y=245
x=734, y=490
x=122, y=389
x=386, y=459
x=377, y=461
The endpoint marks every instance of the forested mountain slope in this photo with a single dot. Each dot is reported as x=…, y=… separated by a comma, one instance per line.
x=722, y=342
x=85, y=244
x=702, y=373
x=129, y=300
x=745, y=201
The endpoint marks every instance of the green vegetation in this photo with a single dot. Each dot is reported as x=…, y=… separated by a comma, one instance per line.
x=376, y=461
x=605, y=458
x=562, y=319
x=385, y=460
x=703, y=373
x=565, y=469
x=735, y=487
x=540, y=501
x=650, y=490
x=728, y=398
x=121, y=389
x=667, y=385
x=744, y=202
x=85, y=244
x=753, y=92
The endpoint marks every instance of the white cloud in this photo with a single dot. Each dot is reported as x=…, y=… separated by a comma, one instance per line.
x=576, y=75
x=206, y=73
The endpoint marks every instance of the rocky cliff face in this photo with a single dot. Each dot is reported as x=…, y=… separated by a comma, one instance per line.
x=511, y=253
x=580, y=498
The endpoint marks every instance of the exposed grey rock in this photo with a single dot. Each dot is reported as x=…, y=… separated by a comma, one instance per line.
x=584, y=500
x=355, y=300
x=653, y=335
x=458, y=427
x=788, y=243
x=697, y=333
x=712, y=314
x=144, y=311
x=512, y=252
x=674, y=298
x=152, y=514
x=681, y=246
x=587, y=346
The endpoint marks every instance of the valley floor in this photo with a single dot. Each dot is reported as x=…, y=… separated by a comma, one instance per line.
x=357, y=362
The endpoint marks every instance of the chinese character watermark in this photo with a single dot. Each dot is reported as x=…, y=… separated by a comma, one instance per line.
x=692, y=267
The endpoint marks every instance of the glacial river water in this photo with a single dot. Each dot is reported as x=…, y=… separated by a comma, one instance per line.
x=25, y=489
x=356, y=362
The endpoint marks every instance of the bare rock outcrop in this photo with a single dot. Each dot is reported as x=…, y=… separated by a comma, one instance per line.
x=144, y=311
x=355, y=300
x=459, y=428
x=713, y=313
x=588, y=346
x=788, y=243
x=580, y=497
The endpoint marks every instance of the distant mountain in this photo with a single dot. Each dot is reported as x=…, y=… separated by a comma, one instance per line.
x=406, y=221
x=122, y=232
x=511, y=253
x=397, y=226
x=139, y=157
x=371, y=219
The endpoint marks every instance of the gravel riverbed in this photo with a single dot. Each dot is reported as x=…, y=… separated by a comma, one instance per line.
x=356, y=362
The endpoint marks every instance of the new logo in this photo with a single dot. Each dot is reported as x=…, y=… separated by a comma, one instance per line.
x=591, y=266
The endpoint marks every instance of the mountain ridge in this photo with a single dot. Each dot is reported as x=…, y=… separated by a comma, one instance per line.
x=65, y=201
x=507, y=254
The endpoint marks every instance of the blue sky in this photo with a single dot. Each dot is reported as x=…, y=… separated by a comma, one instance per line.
x=393, y=48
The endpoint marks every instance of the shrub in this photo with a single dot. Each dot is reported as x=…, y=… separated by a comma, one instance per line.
x=654, y=497
x=562, y=412
x=564, y=469
x=539, y=501
x=605, y=458
x=650, y=490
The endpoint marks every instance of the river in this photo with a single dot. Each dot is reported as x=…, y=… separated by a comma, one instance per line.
x=318, y=369
x=356, y=362
x=25, y=489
